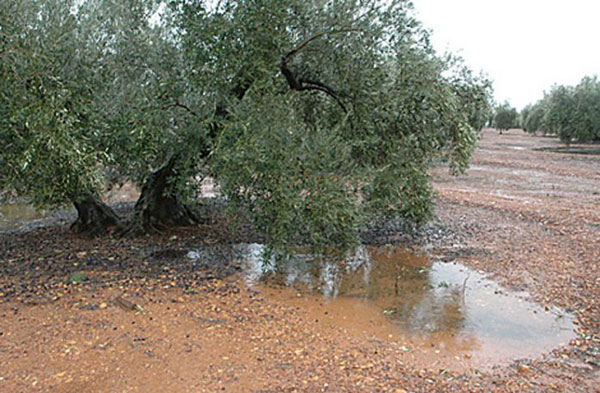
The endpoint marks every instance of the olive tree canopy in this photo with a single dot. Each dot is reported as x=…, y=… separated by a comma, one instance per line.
x=314, y=117
x=330, y=113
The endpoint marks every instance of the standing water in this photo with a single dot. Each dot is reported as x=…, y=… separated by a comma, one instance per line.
x=13, y=215
x=442, y=311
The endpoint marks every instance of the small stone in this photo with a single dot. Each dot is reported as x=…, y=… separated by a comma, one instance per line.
x=523, y=368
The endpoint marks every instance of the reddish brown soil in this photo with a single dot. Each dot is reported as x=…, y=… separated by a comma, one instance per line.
x=529, y=218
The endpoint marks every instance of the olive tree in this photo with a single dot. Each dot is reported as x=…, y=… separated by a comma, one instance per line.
x=94, y=95
x=327, y=113
x=586, y=116
x=314, y=117
x=532, y=117
x=506, y=117
x=570, y=112
x=557, y=118
x=150, y=118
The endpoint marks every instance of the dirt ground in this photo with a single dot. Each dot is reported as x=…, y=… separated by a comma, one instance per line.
x=114, y=315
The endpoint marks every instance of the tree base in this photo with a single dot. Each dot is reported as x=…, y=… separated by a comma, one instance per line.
x=157, y=210
x=94, y=217
x=154, y=217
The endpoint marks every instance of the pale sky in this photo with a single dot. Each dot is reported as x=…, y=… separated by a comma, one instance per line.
x=524, y=46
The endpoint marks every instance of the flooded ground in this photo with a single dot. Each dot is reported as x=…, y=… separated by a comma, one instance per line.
x=20, y=216
x=13, y=215
x=447, y=312
x=526, y=217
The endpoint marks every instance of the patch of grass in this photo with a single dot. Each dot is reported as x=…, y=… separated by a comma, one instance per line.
x=78, y=278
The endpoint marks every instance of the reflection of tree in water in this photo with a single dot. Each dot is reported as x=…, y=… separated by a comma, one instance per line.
x=437, y=310
x=430, y=300
x=400, y=282
x=395, y=279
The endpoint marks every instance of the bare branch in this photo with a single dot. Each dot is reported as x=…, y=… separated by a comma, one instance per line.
x=315, y=85
x=308, y=85
x=177, y=104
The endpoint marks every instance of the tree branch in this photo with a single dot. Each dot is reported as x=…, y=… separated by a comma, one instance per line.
x=308, y=85
x=326, y=89
x=177, y=104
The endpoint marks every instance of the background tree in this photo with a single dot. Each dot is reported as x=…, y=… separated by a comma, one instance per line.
x=557, y=117
x=525, y=112
x=571, y=112
x=506, y=117
x=586, y=122
x=532, y=117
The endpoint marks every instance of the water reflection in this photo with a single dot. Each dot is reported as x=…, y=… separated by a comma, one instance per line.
x=13, y=215
x=419, y=295
x=436, y=304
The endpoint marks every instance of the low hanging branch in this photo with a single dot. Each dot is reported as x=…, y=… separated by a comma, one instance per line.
x=177, y=104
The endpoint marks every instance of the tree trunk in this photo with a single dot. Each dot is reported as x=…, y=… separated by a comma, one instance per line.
x=93, y=216
x=157, y=209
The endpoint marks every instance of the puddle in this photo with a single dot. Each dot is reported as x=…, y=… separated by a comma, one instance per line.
x=13, y=215
x=445, y=314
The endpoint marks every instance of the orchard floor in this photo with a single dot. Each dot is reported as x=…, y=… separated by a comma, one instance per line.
x=114, y=315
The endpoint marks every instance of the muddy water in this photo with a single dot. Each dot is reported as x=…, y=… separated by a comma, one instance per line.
x=14, y=215
x=441, y=314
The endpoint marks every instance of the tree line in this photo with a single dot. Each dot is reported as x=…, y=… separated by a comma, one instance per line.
x=570, y=112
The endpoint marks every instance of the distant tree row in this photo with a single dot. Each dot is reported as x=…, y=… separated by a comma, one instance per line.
x=570, y=112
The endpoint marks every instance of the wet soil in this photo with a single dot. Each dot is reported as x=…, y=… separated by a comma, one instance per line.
x=103, y=315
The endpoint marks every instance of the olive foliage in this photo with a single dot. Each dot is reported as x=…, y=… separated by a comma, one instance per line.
x=314, y=117
x=87, y=91
x=532, y=116
x=334, y=111
x=46, y=132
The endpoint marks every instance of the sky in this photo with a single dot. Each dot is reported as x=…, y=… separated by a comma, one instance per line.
x=524, y=46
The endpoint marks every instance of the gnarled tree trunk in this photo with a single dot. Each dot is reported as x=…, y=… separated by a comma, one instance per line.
x=156, y=209
x=94, y=217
